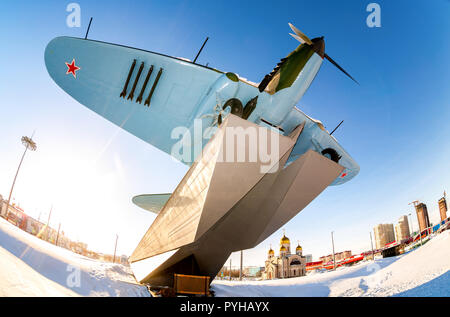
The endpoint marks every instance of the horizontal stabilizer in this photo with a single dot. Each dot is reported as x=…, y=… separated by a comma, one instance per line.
x=151, y=202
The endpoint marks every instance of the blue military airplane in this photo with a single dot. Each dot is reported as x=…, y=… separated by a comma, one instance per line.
x=149, y=94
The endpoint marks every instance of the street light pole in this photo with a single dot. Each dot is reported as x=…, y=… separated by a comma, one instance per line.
x=371, y=245
x=334, y=257
x=57, y=236
x=240, y=270
x=48, y=223
x=115, y=248
x=29, y=145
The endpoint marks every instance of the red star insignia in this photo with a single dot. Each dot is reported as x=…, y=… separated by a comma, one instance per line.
x=72, y=68
x=343, y=175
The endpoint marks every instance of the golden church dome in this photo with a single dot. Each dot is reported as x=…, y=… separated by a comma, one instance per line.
x=271, y=252
x=285, y=240
x=298, y=248
x=283, y=248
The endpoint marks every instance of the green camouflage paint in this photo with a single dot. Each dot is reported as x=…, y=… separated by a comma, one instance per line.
x=294, y=64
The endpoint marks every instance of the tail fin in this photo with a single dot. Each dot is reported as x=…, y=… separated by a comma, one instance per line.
x=151, y=202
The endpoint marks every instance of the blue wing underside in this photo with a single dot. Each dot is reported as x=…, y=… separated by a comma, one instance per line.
x=101, y=79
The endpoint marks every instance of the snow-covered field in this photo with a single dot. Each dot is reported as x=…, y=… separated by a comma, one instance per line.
x=32, y=267
x=422, y=272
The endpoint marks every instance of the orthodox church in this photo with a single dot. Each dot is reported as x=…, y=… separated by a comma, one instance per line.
x=286, y=264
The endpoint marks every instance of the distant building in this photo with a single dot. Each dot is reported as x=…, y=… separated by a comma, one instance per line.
x=443, y=208
x=402, y=229
x=384, y=234
x=308, y=258
x=339, y=256
x=286, y=264
x=16, y=216
x=422, y=216
x=19, y=218
x=346, y=254
x=253, y=271
x=326, y=258
x=2, y=207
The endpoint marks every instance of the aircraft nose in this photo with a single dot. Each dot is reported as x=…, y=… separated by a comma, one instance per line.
x=319, y=46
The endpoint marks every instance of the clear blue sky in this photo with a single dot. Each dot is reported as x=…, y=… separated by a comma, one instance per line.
x=396, y=122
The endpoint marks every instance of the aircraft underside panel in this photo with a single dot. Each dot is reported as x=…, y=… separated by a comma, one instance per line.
x=315, y=138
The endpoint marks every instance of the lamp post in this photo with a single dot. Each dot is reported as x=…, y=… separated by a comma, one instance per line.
x=29, y=145
x=48, y=223
x=240, y=269
x=334, y=257
x=115, y=249
x=57, y=236
x=371, y=245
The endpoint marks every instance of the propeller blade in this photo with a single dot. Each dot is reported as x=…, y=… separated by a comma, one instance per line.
x=298, y=38
x=300, y=34
x=339, y=67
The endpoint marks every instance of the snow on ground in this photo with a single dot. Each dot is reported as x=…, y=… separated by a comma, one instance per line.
x=32, y=267
x=24, y=281
x=422, y=272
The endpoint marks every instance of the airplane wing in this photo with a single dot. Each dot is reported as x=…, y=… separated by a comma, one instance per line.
x=151, y=202
x=145, y=93
x=150, y=95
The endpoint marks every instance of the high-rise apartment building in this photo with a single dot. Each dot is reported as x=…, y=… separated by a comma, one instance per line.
x=402, y=229
x=443, y=208
x=384, y=234
x=422, y=216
